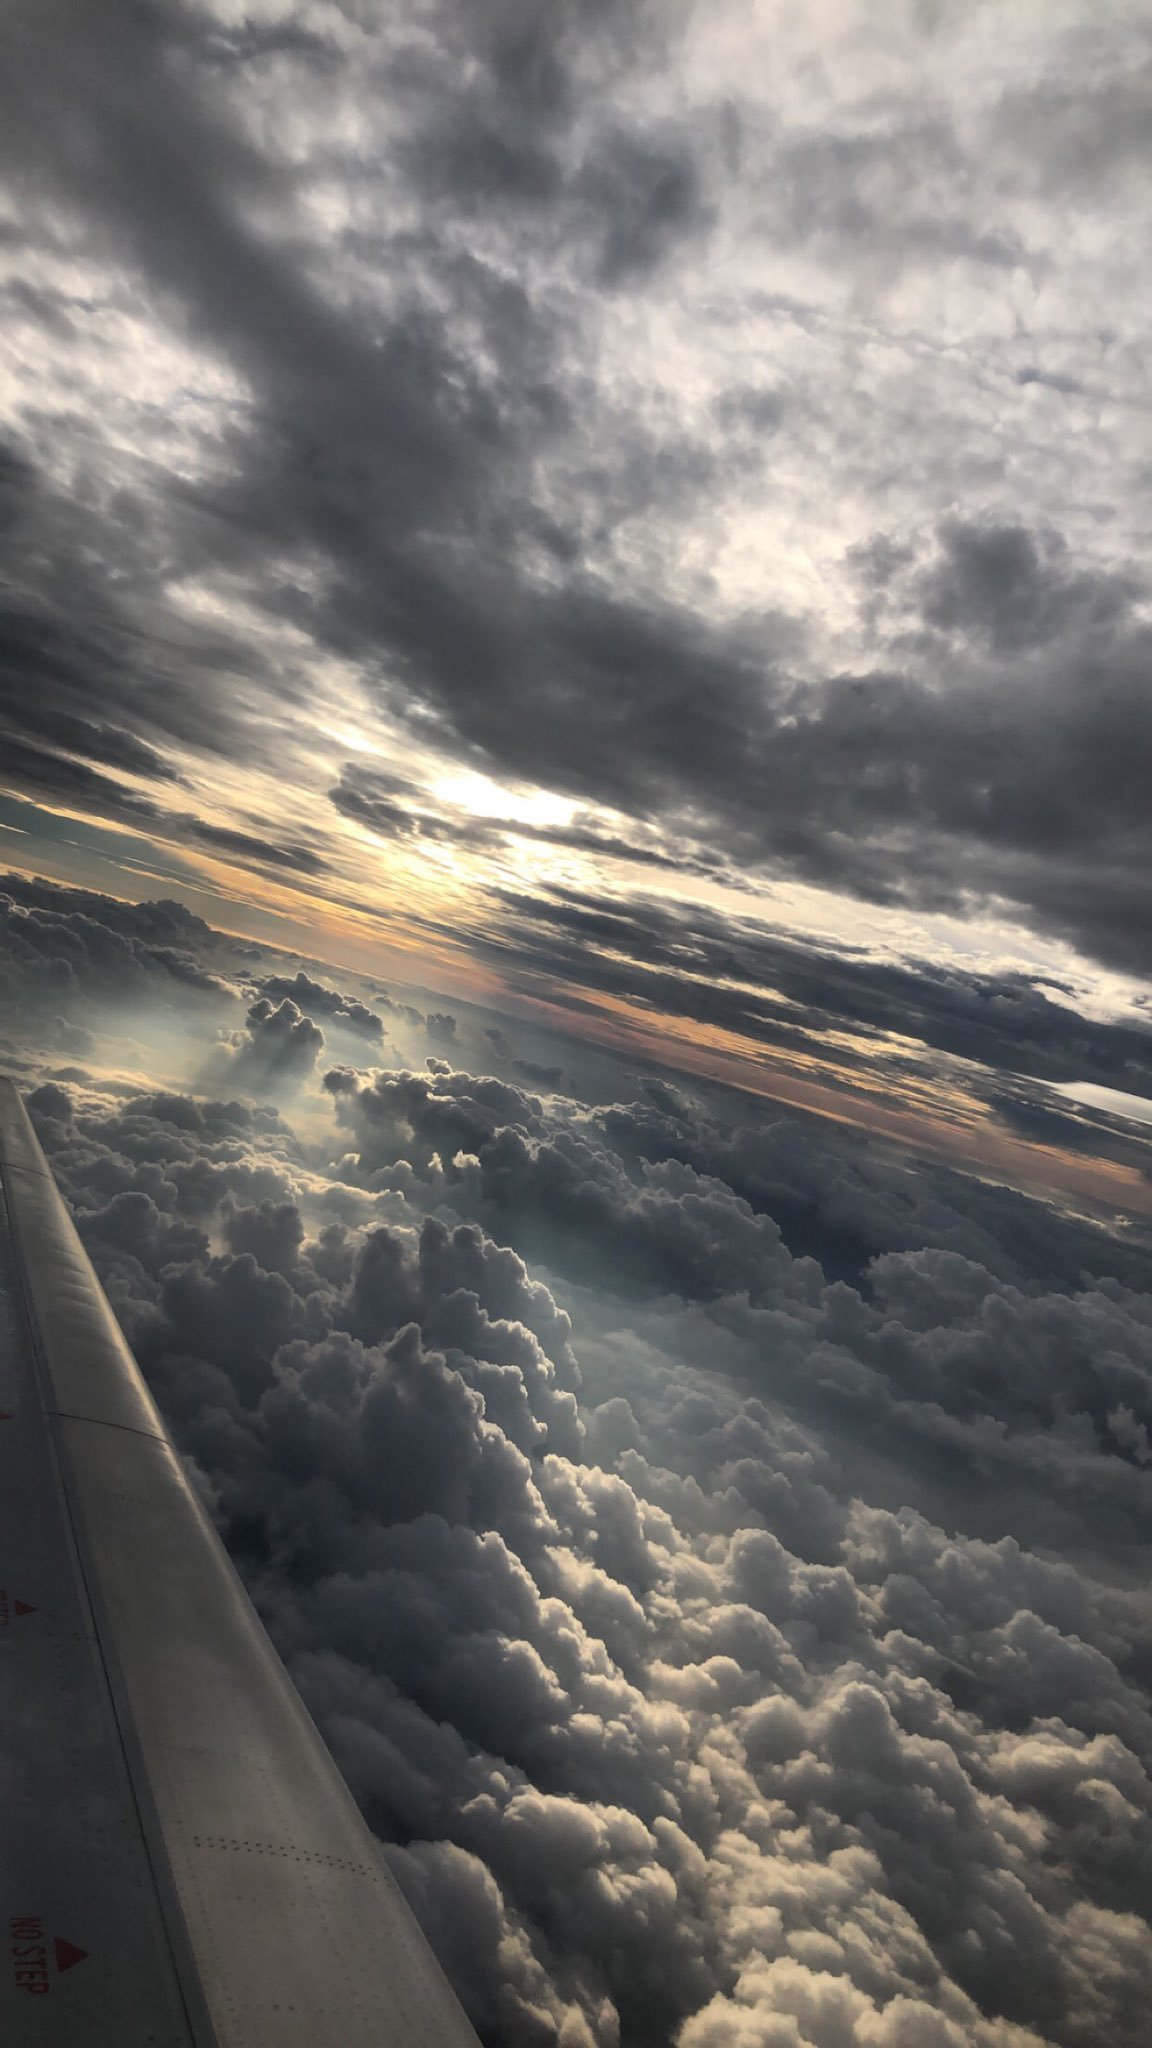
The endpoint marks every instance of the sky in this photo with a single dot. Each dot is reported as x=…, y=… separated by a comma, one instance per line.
x=575, y=728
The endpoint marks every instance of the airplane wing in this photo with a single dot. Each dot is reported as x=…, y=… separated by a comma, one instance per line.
x=181, y=1864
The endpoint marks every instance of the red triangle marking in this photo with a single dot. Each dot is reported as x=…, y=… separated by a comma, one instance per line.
x=67, y=1954
x=5, y=1415
x=22, y=1607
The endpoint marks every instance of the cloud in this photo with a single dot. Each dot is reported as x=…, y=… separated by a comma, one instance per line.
x=280, y=1049
x=767, y=984
x=1015, y=590
x=69, y=951
x=298, y=1367
x=645, y=1204
x=715, y=1549
x=596, y=1184
x=449, y=456
x=902, y=194
x=682, y=1712
x=45, y=773
x=1083, y=135
x=319, y=1001
x=262, y=851
x=396, y=809
x=79, y=661
x=1009, y=787
x=543, y=1077
x=165, y=922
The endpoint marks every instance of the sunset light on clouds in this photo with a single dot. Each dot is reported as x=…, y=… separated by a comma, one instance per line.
x=576, y=669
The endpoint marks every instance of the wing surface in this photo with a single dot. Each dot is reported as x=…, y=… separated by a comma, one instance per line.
x=181, y=1864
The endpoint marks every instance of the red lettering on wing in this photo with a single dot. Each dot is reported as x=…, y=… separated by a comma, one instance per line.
x=11, y=1610
x=29, y=1955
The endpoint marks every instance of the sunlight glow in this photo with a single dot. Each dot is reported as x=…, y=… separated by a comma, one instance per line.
x=484, y=798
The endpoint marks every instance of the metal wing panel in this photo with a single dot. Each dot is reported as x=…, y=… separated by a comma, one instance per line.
x=76, y=1330
x=286, y=1928
x=77, y=1885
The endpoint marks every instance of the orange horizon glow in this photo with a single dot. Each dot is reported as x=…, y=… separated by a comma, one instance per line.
x=940, y=1122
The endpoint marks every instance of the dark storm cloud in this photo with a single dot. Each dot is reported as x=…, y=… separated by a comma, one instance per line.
x=167, y=179
x=86, y=641
x=98, y=675
x=1022, y=781
x=997, y=756
x=616, y=703
x=1014, y=590
x=647, y=190
x=498, y=104
x=115, y=128
x=683, y=1721
x=80, y=736
x=435, y=450
x=1018, y=781
x=70, y=664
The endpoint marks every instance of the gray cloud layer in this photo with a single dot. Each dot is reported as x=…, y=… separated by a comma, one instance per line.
x=683, y=1713
x=735, y=1623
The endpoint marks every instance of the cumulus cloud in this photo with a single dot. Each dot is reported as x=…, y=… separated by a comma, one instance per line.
x=632, y=1600
x=320, y=1001
x=715, y=1550
x=607, y=1183
x=68, y=955
x=280, y=1047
